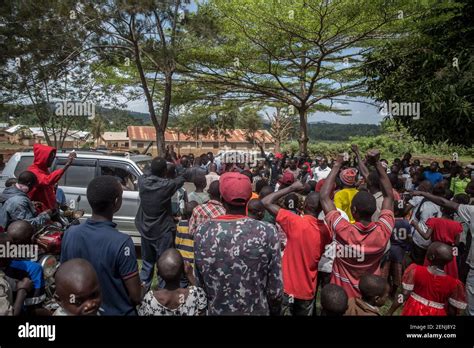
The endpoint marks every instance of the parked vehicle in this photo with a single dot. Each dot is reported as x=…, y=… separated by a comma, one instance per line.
x=86, y=167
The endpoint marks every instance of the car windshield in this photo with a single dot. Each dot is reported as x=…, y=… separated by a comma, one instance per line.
x=143, y=164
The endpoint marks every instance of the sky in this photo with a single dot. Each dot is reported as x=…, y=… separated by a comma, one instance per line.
x=359, y=113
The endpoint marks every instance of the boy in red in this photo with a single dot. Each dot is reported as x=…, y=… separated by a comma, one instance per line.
x=44, y=190
x=428, y=290
x=360, y=246
x=307, y=237
x=444, y=230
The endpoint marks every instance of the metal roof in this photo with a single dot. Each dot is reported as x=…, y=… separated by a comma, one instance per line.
x=148, y=133
x=115, y=136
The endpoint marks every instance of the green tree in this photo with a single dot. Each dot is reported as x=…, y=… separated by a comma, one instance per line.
x=431, y=64
x=299, y=53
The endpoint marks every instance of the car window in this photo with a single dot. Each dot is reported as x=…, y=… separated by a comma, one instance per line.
x=79, y=174
x=125, y=174
x=144, y=165
x=25, y=162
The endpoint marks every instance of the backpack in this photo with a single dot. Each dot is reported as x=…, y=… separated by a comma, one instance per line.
x=6, y=296
x=418, y=211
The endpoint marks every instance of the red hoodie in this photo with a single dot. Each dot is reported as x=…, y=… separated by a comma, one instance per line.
x=44, y=191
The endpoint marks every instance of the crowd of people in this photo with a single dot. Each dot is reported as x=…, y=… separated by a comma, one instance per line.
x=281, y=235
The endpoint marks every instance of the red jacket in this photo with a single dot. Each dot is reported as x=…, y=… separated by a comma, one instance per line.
x=44, y=190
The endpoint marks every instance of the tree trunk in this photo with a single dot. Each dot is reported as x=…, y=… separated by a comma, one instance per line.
x=160, y=142
x=303, y=139
x=277, y=145
x=165, y=112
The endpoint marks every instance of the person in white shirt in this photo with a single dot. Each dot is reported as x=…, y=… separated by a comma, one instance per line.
x=322, y=170
x=212, y=176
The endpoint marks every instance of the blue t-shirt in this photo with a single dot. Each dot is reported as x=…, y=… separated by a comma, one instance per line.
x=112, y=254
x=433, y=177
x=19, y=269
x=401, y=233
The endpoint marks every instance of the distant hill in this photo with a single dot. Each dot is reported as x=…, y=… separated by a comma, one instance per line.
x=340, y=132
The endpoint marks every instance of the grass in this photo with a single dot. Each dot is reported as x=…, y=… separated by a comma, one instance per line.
x=154, y=282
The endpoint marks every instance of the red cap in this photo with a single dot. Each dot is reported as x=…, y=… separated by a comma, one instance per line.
x=287, y=179
x=235, y=188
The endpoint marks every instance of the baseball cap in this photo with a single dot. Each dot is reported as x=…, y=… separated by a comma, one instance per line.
x=287, y=179
x=235, y=188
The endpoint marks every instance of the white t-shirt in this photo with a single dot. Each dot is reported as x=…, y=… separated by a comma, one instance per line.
x=466, y=212
x=428, y=210
x=321, y=173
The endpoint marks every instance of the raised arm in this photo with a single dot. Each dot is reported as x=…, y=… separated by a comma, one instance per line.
x=269, y=200
x=362, y=167
x=373, y=157
x=442, y=202
x=325, y=195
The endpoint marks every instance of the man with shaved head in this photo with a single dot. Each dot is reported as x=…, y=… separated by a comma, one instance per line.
x=77, y=288
x=21, y=232
x=307, y=238
x=172, y=299
x=256, y=209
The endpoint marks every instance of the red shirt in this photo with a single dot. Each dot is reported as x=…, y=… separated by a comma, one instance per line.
x=425, y=286
x=359, y=248
x=445, y=231
x=43, y=191
x=307, y=237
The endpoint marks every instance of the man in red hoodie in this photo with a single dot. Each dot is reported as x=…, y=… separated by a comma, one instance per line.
x=43, y=191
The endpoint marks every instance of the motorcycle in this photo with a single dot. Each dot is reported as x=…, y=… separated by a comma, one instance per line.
x=49, y=240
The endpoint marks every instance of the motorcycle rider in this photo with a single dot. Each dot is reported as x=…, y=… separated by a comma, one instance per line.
x=43, y=191
x=16, y=205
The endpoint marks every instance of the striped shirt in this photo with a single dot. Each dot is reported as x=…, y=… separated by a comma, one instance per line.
x=359, y=249
x=184, y=241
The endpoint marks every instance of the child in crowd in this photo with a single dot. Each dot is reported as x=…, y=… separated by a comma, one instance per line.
x=400, y=244
x=21, y=233
x=199, y=195
x=428, y=290
x=184, y=240
x=12, y=292
x=173, y=300
x=445, y=230
x=77, y=288
x=334, y=301
x=374, y=292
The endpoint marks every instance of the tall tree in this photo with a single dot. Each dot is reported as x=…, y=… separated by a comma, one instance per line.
x=282, y=125
x=142, y=38
x=36, y=39
x=300, y=53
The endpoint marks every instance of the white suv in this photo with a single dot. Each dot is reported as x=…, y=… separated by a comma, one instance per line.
x=86, y=167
